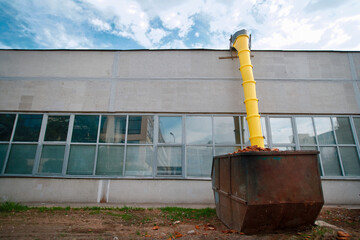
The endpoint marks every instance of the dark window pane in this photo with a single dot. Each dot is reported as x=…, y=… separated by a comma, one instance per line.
x=139, y=161
x=21, y=159
x=198, y=130
x=170, y=129
x=141, y=129
x=169, y=161
x=85, y=128
x=57, y=128
x=3, y=151
x=227, y=130
x=52, y=158
x=112, y=129
x=324, y=130
x=305, y=130
x=330, y=161
x=343, y=130
x=357, y=126
x=28, y=127
x=81, y=160
x=110, y=160
x=6, y=126
x=350, y=160
x=199, y=161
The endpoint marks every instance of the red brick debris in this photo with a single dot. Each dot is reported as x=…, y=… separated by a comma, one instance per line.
x=255, y=148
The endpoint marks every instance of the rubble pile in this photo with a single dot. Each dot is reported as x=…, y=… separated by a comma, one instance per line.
x=255, y=148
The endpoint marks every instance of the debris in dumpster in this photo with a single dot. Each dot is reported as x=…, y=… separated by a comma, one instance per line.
x=255, y=148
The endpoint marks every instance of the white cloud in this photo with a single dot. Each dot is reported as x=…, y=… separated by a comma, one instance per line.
x=57, y=37
x=281, y=24
x=155, y=35
x=4, y=46
x=100, y=25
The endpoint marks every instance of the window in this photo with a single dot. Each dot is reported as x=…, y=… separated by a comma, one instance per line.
x=23, y=150
x=164, y=146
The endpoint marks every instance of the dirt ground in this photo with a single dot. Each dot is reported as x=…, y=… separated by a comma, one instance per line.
x=94, y=223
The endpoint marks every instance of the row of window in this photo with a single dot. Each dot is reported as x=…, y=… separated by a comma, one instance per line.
x=163, y=146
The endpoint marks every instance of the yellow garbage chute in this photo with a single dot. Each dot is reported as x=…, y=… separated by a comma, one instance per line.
x=240, y=41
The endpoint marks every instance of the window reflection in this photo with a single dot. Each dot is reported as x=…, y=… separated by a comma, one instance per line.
x=198, y=130
x=350, y=160
x=6, y=126
x=343, y=130
x=330, y=161
x=305, y=130
x=141, y=129
x=110, y=160
x=52, y=158
x=169, y=161
x=139, y=161
x=281, y=130
x=227, y=130
x=28, y=127
x=57, y=128
x=21, y=159
x=324, y=130
x=199, y=160
x=81, y=160
x=112, y=129
x=85, y=128
x=170, y=130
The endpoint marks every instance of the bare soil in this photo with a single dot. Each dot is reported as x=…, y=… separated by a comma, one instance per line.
x=153, y=224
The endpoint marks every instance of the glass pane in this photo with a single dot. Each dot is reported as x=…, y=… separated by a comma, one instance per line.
x=81, y=160
x=199, y=161
x=170, y=130
x=225, y=150
x=330, y=161
x=307, y=148
x=3, y=151
x=281, y=130
x=141, y=129
x=6, y=126
x=110, y=160
x=85, y=128
x=112, y=129
x=57, y=128
x=246, y=134
x=350, y=160
x=198, y=130
x=139, y=161
x=305, y=130
x=289, y=148
x=227, y=130
x=21, y=159
x=357, y=127
x=28, y=127
x=324, y=130
x=169, y=161
x=343, y=130
x=52, y=158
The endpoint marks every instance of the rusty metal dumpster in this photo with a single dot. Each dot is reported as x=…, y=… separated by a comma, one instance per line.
x=265, y=191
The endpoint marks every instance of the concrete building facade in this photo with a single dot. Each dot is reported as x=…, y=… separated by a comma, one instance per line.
x=141, y=126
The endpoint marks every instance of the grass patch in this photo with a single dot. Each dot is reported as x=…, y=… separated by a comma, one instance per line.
x=176, y=213
x=13, y=207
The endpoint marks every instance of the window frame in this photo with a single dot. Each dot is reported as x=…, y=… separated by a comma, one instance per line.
x=156, y=144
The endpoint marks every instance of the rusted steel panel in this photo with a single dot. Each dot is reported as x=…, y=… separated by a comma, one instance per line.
x=265, y=191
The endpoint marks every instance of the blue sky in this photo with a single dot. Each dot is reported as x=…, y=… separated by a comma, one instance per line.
x=179, y=24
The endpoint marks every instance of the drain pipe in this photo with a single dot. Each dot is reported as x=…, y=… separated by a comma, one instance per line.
x=240, y=41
